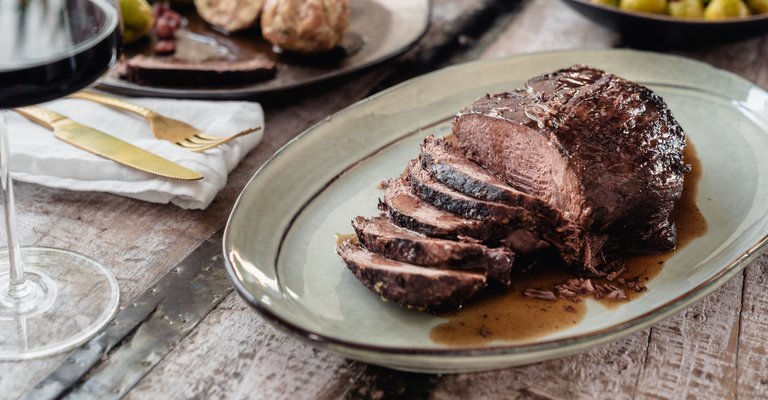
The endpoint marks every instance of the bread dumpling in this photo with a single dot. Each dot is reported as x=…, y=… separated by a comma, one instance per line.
x=230, y=15
x=305, y=26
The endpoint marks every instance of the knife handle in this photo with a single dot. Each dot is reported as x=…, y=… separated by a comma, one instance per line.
x=40, y=115
x=113, y=102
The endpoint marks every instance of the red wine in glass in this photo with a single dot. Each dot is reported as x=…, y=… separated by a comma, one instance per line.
x=50, y=299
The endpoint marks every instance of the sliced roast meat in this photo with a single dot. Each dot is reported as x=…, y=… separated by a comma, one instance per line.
x=379, y=235
x=604, y=151
x=442, y=196
x=411, y=212
x=512, y=226
x=451, y=168
x=410, y=285
x=504, y=143
x=170, y=71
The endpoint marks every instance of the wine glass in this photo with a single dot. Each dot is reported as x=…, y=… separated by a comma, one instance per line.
x=51, y=300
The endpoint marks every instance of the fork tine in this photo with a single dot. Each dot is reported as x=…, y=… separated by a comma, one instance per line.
x=241, y=133
x=186, y=143
x=207, y=137
x=198, y=147
x=200, y=140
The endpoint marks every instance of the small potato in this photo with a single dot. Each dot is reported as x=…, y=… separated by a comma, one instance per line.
x=758, y=6
x=649, y=6
x=230, y=15
x=686, y=9
x=724, y=9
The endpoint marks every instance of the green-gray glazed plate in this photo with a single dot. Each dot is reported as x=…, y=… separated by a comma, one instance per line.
x=279, y=241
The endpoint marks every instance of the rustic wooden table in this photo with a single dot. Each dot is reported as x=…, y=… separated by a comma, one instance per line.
x=716, y=349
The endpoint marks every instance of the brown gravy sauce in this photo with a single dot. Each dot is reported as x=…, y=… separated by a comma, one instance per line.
x=511, y=316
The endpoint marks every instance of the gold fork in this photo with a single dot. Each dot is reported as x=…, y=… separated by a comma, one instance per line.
x=163, y=127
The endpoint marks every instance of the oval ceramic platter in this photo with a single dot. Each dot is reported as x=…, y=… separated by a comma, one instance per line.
x=379, y=29
x=279, y=241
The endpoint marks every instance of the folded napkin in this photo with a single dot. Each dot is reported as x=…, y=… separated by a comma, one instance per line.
x=38, y=157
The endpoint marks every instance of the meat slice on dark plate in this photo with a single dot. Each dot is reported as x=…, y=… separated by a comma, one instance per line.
x=379, y=235
x=450, y=167
x=410, y=285
x=169, y=71
x=604, y=151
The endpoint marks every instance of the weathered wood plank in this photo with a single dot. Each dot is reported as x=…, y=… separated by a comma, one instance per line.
x=752, y=362
x=745, y=58
x=544, y=25
x=607, y=372
x=240, y=356
x=138, y=243
x=693, y=354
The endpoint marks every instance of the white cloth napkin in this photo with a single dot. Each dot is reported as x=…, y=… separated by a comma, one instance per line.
x=38, y=157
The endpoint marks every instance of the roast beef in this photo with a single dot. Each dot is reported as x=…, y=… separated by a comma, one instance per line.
x=579, y=159
x=407, y=284
x=380, y=236
x=442, y=196
x=604, y=151
x=410, y=211
x=169, y=71
x=452, y=169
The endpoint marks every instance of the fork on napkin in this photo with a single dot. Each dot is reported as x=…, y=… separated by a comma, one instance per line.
x=38, y=157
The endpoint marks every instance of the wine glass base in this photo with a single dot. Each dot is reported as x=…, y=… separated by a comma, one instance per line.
x=71, y=297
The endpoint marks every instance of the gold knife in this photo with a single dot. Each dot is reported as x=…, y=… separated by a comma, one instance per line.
x=100, y=143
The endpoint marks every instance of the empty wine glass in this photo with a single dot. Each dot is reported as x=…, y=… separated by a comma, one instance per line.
x=51, y=300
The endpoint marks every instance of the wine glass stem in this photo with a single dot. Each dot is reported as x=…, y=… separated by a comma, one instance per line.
x=17, y=288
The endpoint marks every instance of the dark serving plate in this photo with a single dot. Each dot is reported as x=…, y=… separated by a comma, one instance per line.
x=378, y=30
x=654, y=31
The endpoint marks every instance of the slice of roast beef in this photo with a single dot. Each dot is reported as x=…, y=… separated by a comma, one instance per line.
x=513, y=226
x=604, y=151
x=379, y=235
x=411, y=212
x=410, y=285
x=451, y=168
x=172, y=72
x=444, y=197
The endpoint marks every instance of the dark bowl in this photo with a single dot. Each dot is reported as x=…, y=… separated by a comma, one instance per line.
x=654, y=31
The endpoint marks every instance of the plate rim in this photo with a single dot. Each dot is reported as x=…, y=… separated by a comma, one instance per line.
x=566, y=345
x=132, y=89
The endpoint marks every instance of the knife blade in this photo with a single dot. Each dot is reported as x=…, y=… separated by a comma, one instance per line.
x=107, y=146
